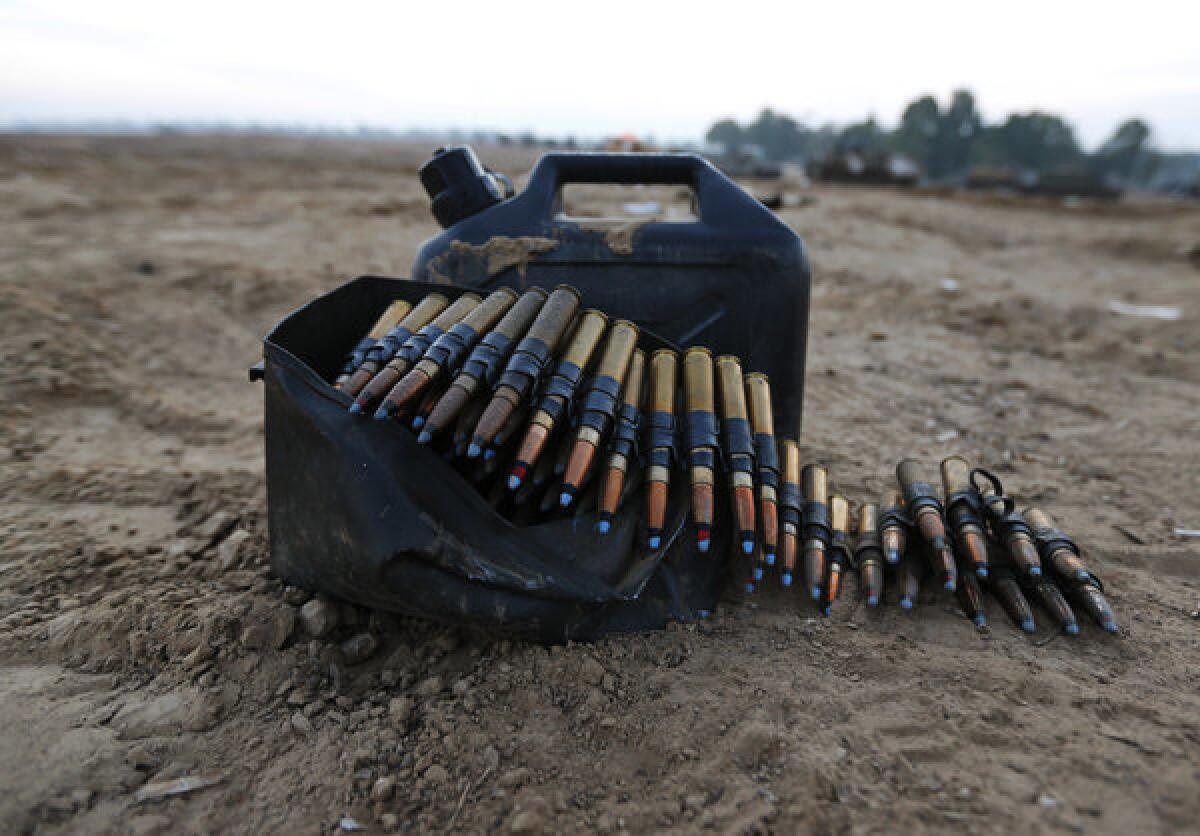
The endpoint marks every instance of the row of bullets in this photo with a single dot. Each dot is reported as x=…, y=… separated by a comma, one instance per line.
x=535, y=391
x=970, y=538
x=527, y=371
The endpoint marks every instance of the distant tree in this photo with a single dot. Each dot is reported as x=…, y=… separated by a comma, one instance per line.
x=726, y=133
x=918, y=129
x=1127, y=153
x=865, y=137
x=1035, y=140
x=779, y=136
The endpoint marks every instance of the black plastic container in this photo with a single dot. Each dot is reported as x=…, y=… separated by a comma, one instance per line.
x=735, y=279
x=357, y=509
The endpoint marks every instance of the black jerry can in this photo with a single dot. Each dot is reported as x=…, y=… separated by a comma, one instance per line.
x=734, y=277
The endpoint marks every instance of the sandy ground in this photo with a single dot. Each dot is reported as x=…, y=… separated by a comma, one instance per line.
x=142, y=638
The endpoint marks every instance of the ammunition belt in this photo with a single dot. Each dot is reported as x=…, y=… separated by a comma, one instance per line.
x=839, y=552
x=526, y=365
x=559, y=388
x=660, y=439
x=1006, y=524
x=625, y=432
x=739, y=444
x=1050, y=540
x=920, y=495
x=816, y=522
x=450, y=349
x=384, y=350
x=790, y=503
x=768, y=459
x=414, y=347
x=894, y=516
x=867, y=550
x=486, y=361
x=970, y=498
x=359, y=353
x=600, y=403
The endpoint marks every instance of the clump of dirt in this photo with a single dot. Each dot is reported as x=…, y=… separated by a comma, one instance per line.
x=489, y=259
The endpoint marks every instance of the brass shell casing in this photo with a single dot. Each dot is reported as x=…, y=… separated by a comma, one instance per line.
x=664, y=365
x=555, y=317
x=1038, y=519
x=516, y=322
x=391, y=315
x=956, y=475
x=758, y=394
x=791, y=461
x=424, y=312
x=908, y=472
x=488, y=312
x=839, y=513
x=457, y=311
x=614, y=361
x=891, y=499
x=586, y=337
x=631, y=393
x=815, y=483
x=868, y=518
x=698, y=380
x=733, y=392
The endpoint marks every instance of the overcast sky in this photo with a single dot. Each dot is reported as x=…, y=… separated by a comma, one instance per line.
x=668, y=69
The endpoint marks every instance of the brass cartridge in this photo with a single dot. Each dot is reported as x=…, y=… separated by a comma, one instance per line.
x=449, y=351
x=839, y=523
x=1056, y=548
x=868, y=553
x=525, y=367
x=412, y=351
x=623, y=446
x=700, y=421
x=790, y=509
x=762, y=423
x=963, y=507
x=559, y=390
x=739, y=449
x=660, y=439
x=389, y=318
x=925, y=510
x=893, y=526
x=381, y=352
x=599, y=406
x=818, y=534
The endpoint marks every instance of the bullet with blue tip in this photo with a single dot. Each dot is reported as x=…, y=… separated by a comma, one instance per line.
x=1028, y=626
x=355, y=408
x=906, y=604
x=758, y=573
x=654, y=542
x=980, y=620
x=474, y=450
x=425, y=437
x=786, y=579
x=514, y=482
x=872, y=600
x=1072, y=629
x=603, y=526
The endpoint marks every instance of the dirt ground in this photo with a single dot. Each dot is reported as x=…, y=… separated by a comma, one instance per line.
x=142, y=638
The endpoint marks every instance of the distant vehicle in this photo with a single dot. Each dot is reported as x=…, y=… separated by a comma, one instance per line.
x=748, y=162
x=1074, y=183
x=999, y=178
x=628, y=143
x=880, y=168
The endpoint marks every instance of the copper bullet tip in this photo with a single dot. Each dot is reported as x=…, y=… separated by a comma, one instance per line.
x=577, y=466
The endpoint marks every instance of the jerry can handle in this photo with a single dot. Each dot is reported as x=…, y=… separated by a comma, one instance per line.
x=717, y=198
